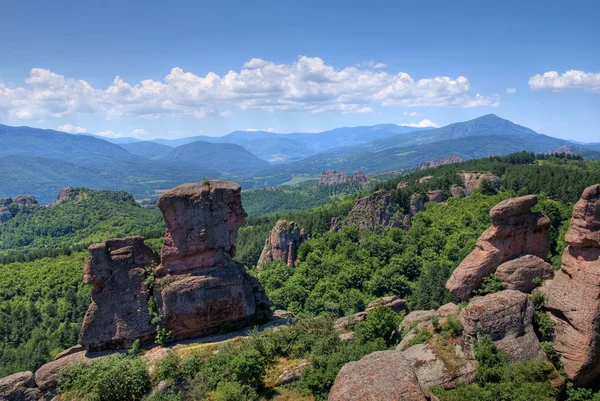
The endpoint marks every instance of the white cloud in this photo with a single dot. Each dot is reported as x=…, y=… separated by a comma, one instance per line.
x=139, y=131
x=256, y=129
x=307, y=85
x=109, y=134
x=422, y=124
x=72, y=129
x=573, y=79
x=510, y=91
x=412, y=114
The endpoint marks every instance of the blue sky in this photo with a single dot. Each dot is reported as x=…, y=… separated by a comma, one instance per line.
x=171, y=69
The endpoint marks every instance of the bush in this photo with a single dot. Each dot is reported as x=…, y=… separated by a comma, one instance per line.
x=491, y=284
x=168, y=367
x=115, y=378
x=452, y=327
x=191, y=365
x=248, y=367
x=381, y=322
x=421, y=336
x=233, y=391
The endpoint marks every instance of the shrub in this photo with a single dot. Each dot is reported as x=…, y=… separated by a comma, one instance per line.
x=491, y=361
x=168, y=367
x=163, y=336
x=421, y=336
x=544, y=325
x=115, y=378
x=452, y=327
x=233, y=391
x=381, y=322
x=491, y=284
x=191, y=365
x=248, y=367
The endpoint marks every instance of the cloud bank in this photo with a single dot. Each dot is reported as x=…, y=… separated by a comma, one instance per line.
x=573, y=79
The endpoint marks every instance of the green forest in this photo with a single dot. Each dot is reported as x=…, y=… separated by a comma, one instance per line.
x=43, y=299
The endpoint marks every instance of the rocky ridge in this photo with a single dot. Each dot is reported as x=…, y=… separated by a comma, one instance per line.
x=282, y=244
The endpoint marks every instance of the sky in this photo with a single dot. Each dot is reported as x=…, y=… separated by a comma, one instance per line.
x=154, y=69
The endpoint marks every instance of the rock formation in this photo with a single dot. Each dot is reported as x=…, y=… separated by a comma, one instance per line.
x=333, y=177
x=383, y=375
x=393, y=302
x=25, y=201
x=402, y=185
x=436, y=196
x=425, y=179
x=376, y=210
x=199, y=287
x=522, y=274
x=359, y=177
x=440, y=162
x=473, y=180
x=506, y=317
x=282, y=244
x=458, y=192
x=516, y=231
x=19, y=387
x=572, y=298
x=118, y=313
x=5, y=214
x=417, y=204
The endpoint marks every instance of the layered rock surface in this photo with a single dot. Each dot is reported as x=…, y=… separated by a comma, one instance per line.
x=118, y=313
x=473, y=181
x=376, y=210
x=572, y=298
x=282, y=244
x=516, y=231
x=332, y=177
x=440, y=162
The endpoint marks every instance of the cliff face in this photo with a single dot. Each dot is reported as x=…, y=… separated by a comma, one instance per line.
x=195, y=287
x=440, y=162
x=282, y=244
x=572, y=298
x=473, y=181
x=376, y=210
x=332, y=177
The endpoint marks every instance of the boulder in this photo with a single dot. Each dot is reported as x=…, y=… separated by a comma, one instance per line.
x=442, y=362
x=199, y=287
x=572, y=298
x=393, y=302
x=425, y=179
x=522, y=274
x=359, y=177
x=516, y=231
x=458, y=192
x=292, y=373
x=417, y=204
x=333, y=178
x=436, y=196
x=46, y=377
x=473, y=180
x=376, y=210
x=25, y=201
x=19, y=387
x=402, y=185
x=282, y=244
x=506, y=317
x=69, y=351
x=383, y=375
x=118, y=313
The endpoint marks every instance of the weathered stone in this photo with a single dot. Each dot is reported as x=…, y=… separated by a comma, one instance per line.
x=118, y=313
x=393, y=302
x=436, y=196
x=63, y=195
x=458, y=192
x=292, y=374
x=516, y=231
x=335, y=225
x=359, y=177
x=442, y=362
x=282, y=244
x=376, y=210
x=202, y=222
x=440, y=162
x=19, y=387
x=383, y=375
x=333, y=178
x=25, y=201
x=506, y=317
x=5, y=215
x=474, y=180
x=416, y=317
x=521, y=274
x=46, y=377
x=70, y=351
x=425, y=179
x=348, y=322
x=572, y=298
x=402, y=185
x=417, y=204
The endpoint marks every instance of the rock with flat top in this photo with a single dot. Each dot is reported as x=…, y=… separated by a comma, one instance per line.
x=524, y=273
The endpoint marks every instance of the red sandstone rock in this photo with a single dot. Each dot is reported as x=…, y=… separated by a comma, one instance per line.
x=522, y=273
x=572, y=298
x=118, y=313
x=402, y=184
x=436, y=196
x=380, y=376
x=376, y=210
x=506, y=317
x=425, y=179
x=440, y=162
x=473, y=180
x=19, y=387
x=333, y=178
x=458, y=192
x=417, y=204
x=282, y=244
x=359, y=177
x=515, y=232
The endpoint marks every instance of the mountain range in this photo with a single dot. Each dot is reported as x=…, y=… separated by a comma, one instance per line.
x=40, y=162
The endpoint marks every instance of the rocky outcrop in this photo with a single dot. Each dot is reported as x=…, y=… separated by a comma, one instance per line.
x=425, y=179
x=199, y=287
x=436, y=196
x=282, y=244
x=376, y=210
x=523, y=274
x=567, y=150
x=440, y=162
x=19, y=387
x=359, y=177
x=516, y=231
x=383, y=375
x=333, y=177
x=335, y=225
x=458, y=192
x=118, y=313
x=417, y=204
x=506, y=317
x=473, y=181
x=402, y=185
x=572, y=298
x=5, y=214
x=63, y=195
x=25, y=201
x=348, y=322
